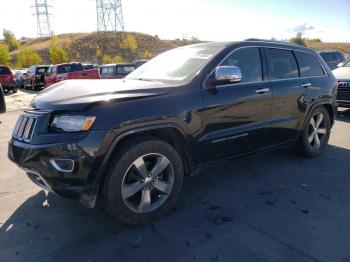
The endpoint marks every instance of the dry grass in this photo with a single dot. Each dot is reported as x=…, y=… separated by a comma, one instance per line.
x=86, y=47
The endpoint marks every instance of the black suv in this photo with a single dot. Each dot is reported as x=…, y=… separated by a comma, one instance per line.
x=332, y=58
x=132, y=141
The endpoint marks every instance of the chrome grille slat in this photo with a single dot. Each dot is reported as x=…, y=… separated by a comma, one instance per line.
x=24, y=127
x=344, y=84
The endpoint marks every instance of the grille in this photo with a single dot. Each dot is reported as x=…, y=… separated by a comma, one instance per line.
x=344, y=84
x=24, y=128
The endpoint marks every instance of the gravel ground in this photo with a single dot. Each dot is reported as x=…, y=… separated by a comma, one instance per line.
x=273, y=206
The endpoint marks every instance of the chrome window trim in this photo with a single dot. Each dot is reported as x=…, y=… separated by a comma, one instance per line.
x=267, y=80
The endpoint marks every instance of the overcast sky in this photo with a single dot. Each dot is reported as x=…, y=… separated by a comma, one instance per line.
x=206, y=19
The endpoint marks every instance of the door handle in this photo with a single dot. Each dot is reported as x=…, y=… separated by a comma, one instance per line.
x=262, y=90
x=305, y=85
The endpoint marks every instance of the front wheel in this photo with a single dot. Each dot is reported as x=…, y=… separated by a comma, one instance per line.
x=314, y=138
x=143, y=181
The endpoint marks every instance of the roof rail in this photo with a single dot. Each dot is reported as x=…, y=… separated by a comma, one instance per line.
x=271, y=41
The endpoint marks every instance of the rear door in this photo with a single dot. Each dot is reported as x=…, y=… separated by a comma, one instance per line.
x=288, y=95
x=236, y=116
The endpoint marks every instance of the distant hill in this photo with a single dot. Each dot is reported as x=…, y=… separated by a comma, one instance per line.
x=89, y=47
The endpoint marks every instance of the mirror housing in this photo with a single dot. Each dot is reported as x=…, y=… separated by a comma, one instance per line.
x=227, y=75
x=340, y=64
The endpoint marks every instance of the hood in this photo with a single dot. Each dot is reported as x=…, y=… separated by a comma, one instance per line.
x=342, y=73
x=78, y=94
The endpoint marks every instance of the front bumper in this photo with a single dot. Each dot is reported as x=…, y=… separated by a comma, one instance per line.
x=35, y=160
x=8, y=86
x=343, y=97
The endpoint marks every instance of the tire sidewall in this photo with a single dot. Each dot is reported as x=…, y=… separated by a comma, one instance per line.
x=305, y=143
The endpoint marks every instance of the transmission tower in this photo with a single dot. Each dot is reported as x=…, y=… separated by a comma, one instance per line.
x=109, y=15
x=43, y=18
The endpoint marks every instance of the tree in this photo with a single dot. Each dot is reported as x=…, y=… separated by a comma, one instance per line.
x=57, y=53
x=27, y=57
x=147, y=55
x=10, y=40
x=298, y=39
x=4, y=54
x=129, y=43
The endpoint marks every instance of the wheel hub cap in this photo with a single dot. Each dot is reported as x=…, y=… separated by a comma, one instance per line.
x=147, y=183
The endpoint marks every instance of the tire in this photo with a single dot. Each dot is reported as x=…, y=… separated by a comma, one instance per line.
x=307, y=144
x=14, y=90
x=123, y=174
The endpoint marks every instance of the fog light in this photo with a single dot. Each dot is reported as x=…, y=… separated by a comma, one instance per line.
x=63, y=165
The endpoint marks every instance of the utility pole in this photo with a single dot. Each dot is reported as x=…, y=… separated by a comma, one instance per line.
x=43, y=18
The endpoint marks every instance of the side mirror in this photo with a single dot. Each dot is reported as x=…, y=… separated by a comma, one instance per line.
x=340, y=64
x=227, y=75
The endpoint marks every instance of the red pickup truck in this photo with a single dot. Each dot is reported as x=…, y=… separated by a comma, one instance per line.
x=57, y=73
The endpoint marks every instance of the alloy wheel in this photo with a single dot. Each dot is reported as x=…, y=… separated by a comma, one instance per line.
x=317, y=130
x=147, y=183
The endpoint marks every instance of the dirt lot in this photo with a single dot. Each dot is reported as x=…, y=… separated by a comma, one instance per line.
x=272, y=206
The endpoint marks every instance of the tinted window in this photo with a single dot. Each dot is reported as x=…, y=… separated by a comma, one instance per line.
x=329, y=58
x=41, y=70
x=339, y=57
x=249, y=61
x=49, y=71
x=88, y=67
x=4, y=70
x=107, y=70
x=125, y=69
x=281, y=64
x=62, y=69
x=308, y=65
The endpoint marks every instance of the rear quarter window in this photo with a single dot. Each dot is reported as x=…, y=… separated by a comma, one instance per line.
x=4, y=70
x=308, y=65
x=281, y=64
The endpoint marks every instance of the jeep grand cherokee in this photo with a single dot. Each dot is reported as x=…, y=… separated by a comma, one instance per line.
x=132, y=141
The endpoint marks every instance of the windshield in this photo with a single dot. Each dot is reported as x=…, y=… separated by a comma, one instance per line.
x=176, y=65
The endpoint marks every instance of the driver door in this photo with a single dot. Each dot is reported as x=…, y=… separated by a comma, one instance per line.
x=236, y=115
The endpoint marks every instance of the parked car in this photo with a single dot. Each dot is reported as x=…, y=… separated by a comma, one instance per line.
x=35, y=77
x=116, y=71
x=57, y=73
x=138, y=63
x=132, y=141
x=342, y=74
x=7, y=80
x=20, y=78
x=2, y=101
x=332, y=58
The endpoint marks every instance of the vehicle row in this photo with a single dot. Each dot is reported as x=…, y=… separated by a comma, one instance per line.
x=37, y=77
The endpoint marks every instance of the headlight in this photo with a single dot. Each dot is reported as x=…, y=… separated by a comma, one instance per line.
x=70, y=123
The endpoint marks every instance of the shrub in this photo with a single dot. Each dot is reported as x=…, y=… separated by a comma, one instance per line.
x=57, y=54
x=298, y=39
x=27, y=57
x=129, y=43
x=109, y=60
x=4, y=54
x=10, y=40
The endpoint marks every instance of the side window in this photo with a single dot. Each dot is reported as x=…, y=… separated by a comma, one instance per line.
x=281, y=64
x=308, y=65
x=249, y=61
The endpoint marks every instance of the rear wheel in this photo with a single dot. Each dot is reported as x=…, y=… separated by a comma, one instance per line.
x=315, y=136
x=143, y=181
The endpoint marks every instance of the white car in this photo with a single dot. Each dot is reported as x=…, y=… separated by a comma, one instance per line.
x=342, y=74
